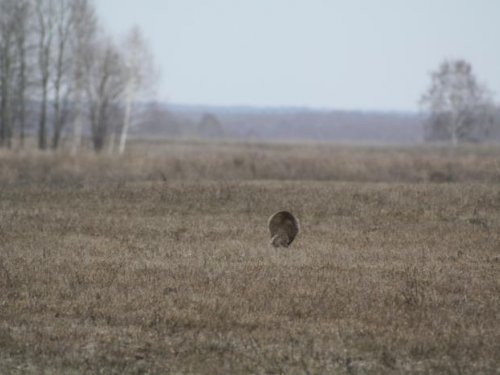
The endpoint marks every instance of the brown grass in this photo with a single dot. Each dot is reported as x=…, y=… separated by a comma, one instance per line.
x=101, y=272
x=195, y=161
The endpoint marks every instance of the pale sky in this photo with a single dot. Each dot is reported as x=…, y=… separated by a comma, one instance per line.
x=332, y=54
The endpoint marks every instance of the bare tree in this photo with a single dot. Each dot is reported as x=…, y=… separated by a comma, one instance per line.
x=23, y=38
x=45, y=13
x=139, y=73
x=82, y=42
x=62, y=80
x=7, y=66
x=459, y=107
x=105, y=84
x=15, y=67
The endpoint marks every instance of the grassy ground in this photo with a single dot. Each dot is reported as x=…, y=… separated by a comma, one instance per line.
x=159, y=262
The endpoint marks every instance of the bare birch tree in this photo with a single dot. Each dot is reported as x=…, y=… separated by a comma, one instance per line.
x=82, y=42
x=16, y=34
x=105, y=85
x=139, y=73
x=61, y=77
x=7, y=66
x=45, y=13
x=23, y=37
x=458, y=105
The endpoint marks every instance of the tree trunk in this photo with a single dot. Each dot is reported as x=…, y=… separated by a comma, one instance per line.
x=3, y=104
x=45, y=16
x=77, y=126
x=57, y=117
x=126, y=121
x=22, y=35
x=57, y=107
x=99, y=126
x=6, y=100
x=42, y=123
x=22, y=99
x=456, y=128
x=111, y=145
x=3, y=117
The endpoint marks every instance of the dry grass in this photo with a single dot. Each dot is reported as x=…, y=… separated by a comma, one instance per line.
x=194, y=161
x=176, y=276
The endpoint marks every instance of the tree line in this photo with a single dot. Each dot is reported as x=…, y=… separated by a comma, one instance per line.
x=61, y=71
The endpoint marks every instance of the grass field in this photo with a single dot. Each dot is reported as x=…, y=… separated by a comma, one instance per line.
x=159, y=262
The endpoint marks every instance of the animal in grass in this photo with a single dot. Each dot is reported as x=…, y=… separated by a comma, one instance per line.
x=283, y=227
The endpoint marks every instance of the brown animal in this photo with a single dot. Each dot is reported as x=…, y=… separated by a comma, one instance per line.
x=283, y=227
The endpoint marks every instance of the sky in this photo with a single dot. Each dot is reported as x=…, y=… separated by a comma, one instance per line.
x=329, y=54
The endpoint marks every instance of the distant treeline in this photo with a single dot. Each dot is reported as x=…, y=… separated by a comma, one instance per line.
x=255, y=124
x=278, y=124
x=248, y=123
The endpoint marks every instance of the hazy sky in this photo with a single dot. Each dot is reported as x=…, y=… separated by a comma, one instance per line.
x=351, y=54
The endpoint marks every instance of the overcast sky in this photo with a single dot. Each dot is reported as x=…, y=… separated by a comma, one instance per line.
x=351, y=54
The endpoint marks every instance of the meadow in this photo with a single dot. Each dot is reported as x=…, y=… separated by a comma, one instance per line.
x=159, y=262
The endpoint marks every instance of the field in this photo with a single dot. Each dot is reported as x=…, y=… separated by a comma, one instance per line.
x=159, y=262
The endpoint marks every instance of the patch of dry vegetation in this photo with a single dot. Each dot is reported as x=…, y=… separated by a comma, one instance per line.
x=177, y=276
x=195, y=161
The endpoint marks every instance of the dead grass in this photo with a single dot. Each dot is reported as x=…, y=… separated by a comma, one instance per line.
x=176, y=276
x=230, y=161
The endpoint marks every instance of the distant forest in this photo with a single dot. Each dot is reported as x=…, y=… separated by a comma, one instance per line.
x=153, y=120
x=249, y=123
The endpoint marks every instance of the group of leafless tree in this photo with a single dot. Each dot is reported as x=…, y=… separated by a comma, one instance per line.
x=63, y=76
